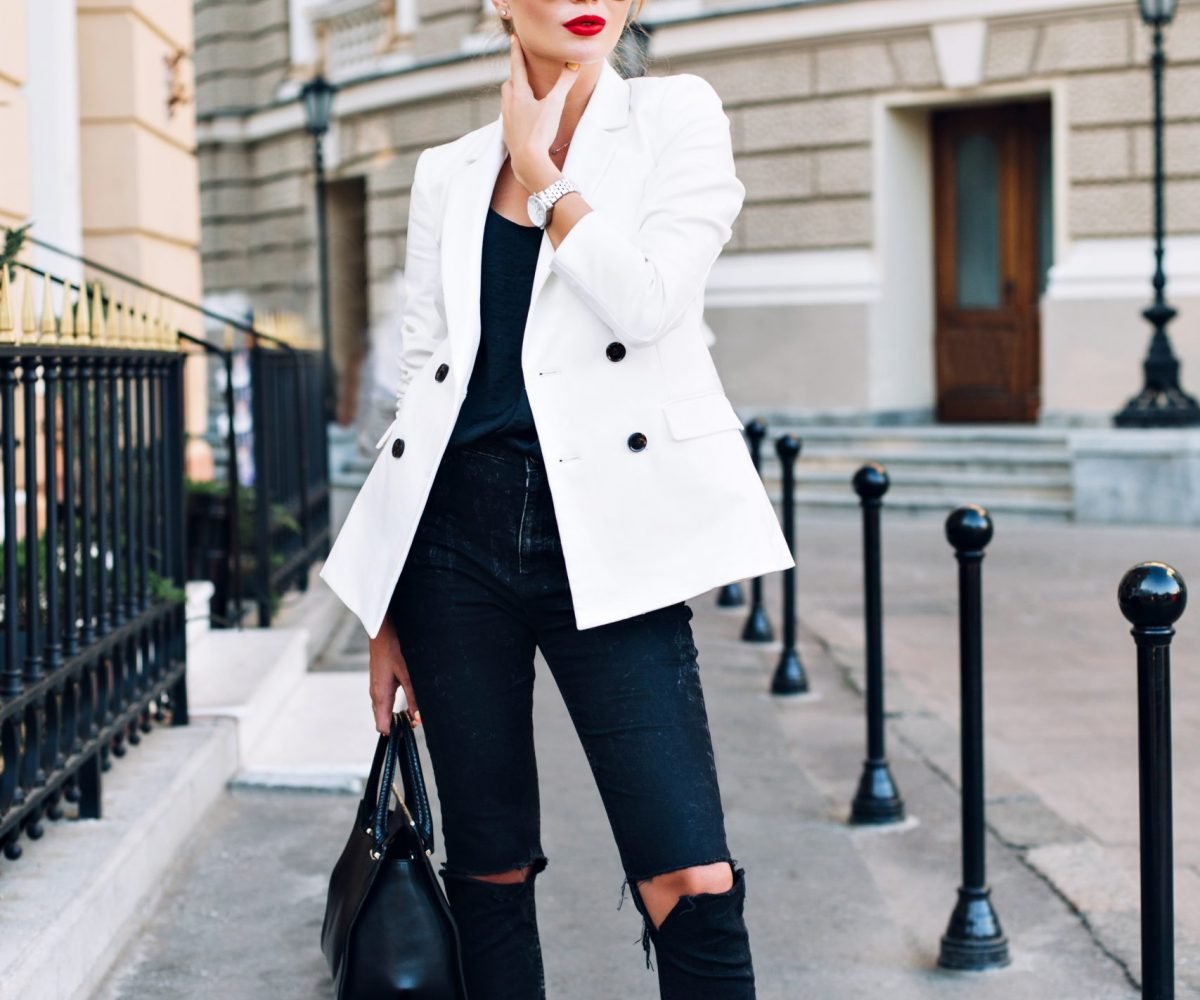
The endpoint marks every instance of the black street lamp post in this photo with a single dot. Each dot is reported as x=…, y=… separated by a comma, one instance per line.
x=317, y=96
x=1161, y=403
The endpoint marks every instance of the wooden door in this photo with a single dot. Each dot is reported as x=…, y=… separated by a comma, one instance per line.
x=993, y=244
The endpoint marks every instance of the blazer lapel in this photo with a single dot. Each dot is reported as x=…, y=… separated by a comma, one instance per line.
x=469, y=195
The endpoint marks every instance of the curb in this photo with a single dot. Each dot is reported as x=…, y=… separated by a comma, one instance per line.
x=70, y=906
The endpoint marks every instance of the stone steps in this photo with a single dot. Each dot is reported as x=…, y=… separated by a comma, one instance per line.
x=1023, y=471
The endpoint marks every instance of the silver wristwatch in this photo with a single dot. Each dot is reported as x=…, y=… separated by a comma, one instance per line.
x=541, y=203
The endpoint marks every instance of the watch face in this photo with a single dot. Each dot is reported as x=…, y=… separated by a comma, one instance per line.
x=537, y=211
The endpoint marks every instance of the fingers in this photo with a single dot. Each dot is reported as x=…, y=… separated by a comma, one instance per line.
x=566, y=80
x=381, y=706
x=516, y=66
x=410, y=696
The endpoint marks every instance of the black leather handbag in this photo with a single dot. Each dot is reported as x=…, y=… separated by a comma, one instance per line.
x=387, y=930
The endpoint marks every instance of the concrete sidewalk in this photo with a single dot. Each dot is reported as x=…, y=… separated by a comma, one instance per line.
x=834, y=912
x=1061, y=696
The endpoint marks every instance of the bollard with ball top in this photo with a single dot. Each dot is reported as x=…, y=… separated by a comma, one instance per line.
x=1152, y=596
x=974, y=939
x=758, y=625
x=877, y=800
x=790, y=677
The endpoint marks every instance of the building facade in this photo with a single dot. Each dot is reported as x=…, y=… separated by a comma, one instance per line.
x=948, y=211
x=97, y=127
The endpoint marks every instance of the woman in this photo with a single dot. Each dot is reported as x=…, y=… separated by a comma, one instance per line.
x=563, y=471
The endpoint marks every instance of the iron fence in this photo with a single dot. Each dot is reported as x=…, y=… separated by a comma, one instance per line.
x=93, y=648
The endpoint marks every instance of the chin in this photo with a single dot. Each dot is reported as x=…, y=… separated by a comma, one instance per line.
x=580, y=50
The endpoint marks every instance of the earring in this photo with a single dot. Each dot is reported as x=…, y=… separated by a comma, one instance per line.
x=504, y=12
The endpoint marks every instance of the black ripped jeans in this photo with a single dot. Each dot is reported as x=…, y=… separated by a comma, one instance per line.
x=483, y=586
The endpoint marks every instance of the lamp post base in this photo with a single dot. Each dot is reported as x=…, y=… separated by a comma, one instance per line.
x=1155, y=407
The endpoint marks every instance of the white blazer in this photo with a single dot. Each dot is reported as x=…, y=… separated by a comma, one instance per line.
x=614, y=347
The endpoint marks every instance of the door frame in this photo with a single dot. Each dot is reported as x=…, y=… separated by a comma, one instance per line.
x=903, y=322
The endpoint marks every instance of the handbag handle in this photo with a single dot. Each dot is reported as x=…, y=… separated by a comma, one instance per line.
x=398, y=748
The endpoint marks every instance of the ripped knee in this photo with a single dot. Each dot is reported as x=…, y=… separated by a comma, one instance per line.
x=691, y=881
x=506, y=878
x=509, y=876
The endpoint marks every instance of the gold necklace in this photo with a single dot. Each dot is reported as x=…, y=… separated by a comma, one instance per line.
x=560, y=148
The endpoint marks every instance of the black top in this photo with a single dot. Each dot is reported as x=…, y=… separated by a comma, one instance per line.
x=496, y=406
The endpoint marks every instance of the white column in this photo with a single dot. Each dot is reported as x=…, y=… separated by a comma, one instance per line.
x=52, y=89
x=303, y=44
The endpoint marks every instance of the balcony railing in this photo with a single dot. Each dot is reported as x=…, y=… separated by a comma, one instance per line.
x=356, y=34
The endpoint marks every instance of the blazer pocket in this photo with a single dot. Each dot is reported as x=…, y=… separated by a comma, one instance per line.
x=696, y=415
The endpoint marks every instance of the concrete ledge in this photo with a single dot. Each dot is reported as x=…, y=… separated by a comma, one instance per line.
x=323, y=737
x=1136, y=476
x=246, y=675
x=75, y=898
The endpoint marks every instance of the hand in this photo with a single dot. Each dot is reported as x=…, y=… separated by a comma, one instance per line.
x=387, y=672
x=530, y=125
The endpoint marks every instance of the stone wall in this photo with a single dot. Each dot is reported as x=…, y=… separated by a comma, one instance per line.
x=802, y=121
x=242, y=53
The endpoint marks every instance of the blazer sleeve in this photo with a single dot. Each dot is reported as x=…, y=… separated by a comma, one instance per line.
x=642, y=285
x=424, y=323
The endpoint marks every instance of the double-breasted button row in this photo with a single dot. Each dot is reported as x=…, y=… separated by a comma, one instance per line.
x=439, y=376
x=616, y=351
x=636, y=442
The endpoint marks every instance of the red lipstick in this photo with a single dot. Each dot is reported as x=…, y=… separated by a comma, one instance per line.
x=588, y=24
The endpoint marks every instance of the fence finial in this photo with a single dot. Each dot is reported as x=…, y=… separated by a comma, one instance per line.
x=28, y=313
x=124, y=333
x=127, y=321
x=6, y=324
x=48, y=327
x=99, y=324
x=67, y=323
x=83, y=314
x=141, y=331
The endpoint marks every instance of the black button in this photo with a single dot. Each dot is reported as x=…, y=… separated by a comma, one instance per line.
x=637, y=441
x=397, y=447
x=441, y=373
x=615, y=351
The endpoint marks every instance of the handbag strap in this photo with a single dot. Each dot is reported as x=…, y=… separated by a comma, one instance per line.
x=415, y=795
x=384, y=777
x=398, y=748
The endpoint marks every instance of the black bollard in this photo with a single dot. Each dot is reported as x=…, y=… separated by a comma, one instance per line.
x=758, y=625
x=1152, y=596
x=974, y=939
x=731, y=596
x=790, y=677
x=877, y=800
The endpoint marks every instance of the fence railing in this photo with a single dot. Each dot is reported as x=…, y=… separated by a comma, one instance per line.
x=92, y=627
x=291, y=468
x=228, y=541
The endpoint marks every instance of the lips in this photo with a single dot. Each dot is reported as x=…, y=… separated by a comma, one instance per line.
x=587, y=24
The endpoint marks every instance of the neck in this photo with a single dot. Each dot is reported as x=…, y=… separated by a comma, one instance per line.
x=543, y=73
